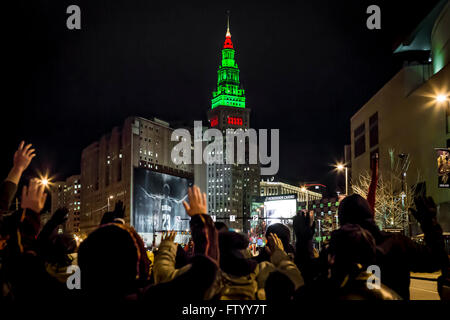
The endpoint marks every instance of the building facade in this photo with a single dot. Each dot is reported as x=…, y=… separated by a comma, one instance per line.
x=230, y=187
x=107, y=166
x=325, y=212
x=68, y=194
x=271, y=188
x=409, y=117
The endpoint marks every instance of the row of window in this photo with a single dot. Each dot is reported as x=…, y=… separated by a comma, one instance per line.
x=359, y=135
x=150, y=128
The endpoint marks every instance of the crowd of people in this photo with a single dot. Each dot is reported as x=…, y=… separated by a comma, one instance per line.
x=115, y=265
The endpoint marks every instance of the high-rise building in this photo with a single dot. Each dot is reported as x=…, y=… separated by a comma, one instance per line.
x=107, y=166
x=230, y=187
x=68, y=194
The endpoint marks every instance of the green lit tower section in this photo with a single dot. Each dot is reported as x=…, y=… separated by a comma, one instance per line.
x=230, y=187
x=229, y=91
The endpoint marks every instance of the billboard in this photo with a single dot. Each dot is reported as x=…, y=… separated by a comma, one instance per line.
x=269, y=210
x=443, y=168
x=158, y=205
x=279, y=209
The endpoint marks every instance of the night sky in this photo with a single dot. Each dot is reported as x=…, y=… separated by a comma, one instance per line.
x=306, y=66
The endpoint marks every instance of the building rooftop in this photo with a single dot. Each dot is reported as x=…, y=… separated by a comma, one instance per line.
x=420, y=38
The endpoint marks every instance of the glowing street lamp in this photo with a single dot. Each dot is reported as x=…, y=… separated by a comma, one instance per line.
x=45, y=180
x=303, y=189
x=109, y=198
x=341, y=167
x=441, y=98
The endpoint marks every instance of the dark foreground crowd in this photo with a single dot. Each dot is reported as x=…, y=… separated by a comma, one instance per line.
x=114, y=263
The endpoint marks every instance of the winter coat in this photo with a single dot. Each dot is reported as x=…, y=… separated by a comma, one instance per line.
x=225, y=286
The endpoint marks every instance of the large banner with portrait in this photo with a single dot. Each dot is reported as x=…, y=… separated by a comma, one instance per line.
x=443, y=167
x=158, y=205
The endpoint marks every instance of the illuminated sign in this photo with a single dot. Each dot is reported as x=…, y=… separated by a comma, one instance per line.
x=235, y=120
x=214, y=121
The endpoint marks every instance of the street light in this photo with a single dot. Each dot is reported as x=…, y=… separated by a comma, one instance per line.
x=45, y=180
x=110, y=197
x=307, y=198
x=341, y=167
x=441, y=98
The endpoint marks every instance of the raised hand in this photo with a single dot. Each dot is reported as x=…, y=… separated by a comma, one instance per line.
x=21, y=161
x=197, y=202
x=33, y=196
x=119, y=210
x=274, y=243
x=23, y=156
x=169, y=236
x=304, y=225
x=425, y=212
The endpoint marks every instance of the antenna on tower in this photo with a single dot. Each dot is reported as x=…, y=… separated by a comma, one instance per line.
x=228, y=24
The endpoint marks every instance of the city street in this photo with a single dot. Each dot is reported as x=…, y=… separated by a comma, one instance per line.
x=422, y=289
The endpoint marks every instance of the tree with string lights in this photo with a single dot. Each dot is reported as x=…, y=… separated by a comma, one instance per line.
x=393, y=196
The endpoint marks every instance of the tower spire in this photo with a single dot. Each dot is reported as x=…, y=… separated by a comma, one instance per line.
x=228, y=43
x=228, y=35
x=229, y=92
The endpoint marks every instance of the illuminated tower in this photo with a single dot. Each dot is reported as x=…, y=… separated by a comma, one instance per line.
x=230, y=187
x=229, y=91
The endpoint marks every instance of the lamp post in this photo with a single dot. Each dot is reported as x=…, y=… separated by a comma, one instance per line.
x=108, y=198
x=341, y=167
x=405, y=220
x=441, y=99
x=307, y=198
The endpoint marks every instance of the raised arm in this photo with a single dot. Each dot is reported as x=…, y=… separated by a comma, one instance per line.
x=282, y=261
x=204, y=235
x=304, y=229
x=21, y=161
x=431, y=256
